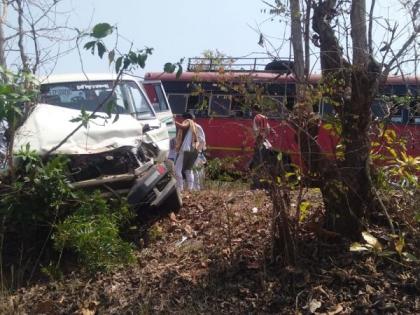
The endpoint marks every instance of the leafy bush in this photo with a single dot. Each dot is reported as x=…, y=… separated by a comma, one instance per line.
x=396, y=176
x=222, y=169
x=43, y=216
x=93, y=233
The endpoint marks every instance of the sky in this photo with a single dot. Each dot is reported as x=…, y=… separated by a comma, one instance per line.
x=175, y=29
x=181, y=29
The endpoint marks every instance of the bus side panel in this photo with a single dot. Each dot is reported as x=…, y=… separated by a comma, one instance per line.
x=229, y=137
x=233, y=137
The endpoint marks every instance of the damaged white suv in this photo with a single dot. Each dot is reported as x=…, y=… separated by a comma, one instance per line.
x=124, y=155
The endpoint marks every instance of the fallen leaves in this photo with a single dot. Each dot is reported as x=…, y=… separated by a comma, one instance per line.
x=213, y=257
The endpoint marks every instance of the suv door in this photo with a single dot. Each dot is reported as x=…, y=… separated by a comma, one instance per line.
x=160, y=104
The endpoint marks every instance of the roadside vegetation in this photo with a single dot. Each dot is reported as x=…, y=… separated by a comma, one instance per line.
x=47, y=225
x=350, y=246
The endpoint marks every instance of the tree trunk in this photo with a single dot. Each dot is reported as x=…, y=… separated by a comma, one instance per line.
x=283, y=243
x=3, y=15
x=347, y=188
x=23, y=56
x=296, y=35
x=299, y=63
x=306, y=38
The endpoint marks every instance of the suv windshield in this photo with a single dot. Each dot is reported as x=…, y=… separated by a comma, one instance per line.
x=127, y=97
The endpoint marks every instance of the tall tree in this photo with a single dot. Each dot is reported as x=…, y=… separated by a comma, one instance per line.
x=351, y=77
x=347, y=186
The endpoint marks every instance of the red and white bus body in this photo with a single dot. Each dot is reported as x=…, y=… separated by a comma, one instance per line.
x=229, y=131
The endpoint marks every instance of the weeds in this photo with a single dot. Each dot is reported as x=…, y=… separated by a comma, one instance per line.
x=223, y=169
x=94, y=236
x=44, y=218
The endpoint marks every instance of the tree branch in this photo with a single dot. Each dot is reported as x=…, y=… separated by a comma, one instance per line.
x=358, y=32
x=370, y=40
x=23, y=56
x=402, y=50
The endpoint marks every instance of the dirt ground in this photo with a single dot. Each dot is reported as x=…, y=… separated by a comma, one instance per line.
x=213, y=257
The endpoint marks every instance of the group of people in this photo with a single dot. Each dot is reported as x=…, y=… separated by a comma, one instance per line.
x=187, y=152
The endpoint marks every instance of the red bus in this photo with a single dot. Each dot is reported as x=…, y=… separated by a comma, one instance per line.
x=219, y=108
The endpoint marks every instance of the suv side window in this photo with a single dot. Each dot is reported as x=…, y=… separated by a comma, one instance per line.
x=139, y=101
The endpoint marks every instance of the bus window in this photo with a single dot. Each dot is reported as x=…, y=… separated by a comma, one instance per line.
x=379, y=109
x=290, y=102
x=198, y=104
x=273, y=106
x=399, y=115
x=178, y=103
x=238, y=107
x=326, y=109
x=415, y=111
x=220, y=105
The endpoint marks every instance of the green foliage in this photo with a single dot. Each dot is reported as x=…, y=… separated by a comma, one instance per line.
x=15, y=90
x=123, y=61
x=85, y=117
x=155, y=233
x=222, y=169
x=44, y=216
x=397, y=167
x=172, y=67
x=417, y=216
x=39, y=195
x=92, y=231
x=304, y=207
x=101, y=30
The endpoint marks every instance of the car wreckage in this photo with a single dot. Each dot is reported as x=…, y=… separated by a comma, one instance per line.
x=119, y=156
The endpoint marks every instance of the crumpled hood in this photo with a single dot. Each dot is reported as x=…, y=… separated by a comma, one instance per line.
x=47, y=125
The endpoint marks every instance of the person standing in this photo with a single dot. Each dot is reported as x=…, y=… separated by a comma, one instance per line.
x=263, y=159
x=190, y=140
x=200, y=162
x=261, y=129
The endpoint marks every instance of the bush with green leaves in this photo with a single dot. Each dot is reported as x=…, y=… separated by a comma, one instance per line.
x=222, y=169
x=93, y=232
x=43, y=217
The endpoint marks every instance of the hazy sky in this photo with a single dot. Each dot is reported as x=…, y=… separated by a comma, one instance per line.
x=174, y=28
x=185, y=28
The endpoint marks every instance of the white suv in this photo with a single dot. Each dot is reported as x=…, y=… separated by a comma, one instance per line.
x=87, y=91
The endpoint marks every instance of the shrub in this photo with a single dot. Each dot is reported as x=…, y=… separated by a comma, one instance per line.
x=223, y=169
x=93, y=233
x=43, y=216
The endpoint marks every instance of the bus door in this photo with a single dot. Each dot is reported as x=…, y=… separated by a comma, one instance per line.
x=159, y=101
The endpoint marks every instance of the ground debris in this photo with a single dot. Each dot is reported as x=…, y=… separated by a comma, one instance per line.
x=213, y=257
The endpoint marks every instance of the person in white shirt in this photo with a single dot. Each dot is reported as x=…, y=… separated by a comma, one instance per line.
x=200, y=162
x=3, y=143
x=190, y=140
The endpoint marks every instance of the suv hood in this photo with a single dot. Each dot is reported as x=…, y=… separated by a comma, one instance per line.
x=47, y=125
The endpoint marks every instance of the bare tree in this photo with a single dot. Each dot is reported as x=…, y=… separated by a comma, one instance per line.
x=33, y=33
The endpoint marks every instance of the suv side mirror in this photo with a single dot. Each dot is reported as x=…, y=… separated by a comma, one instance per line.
x=146, y=128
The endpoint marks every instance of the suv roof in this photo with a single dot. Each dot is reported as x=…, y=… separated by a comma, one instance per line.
x=82, y=77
